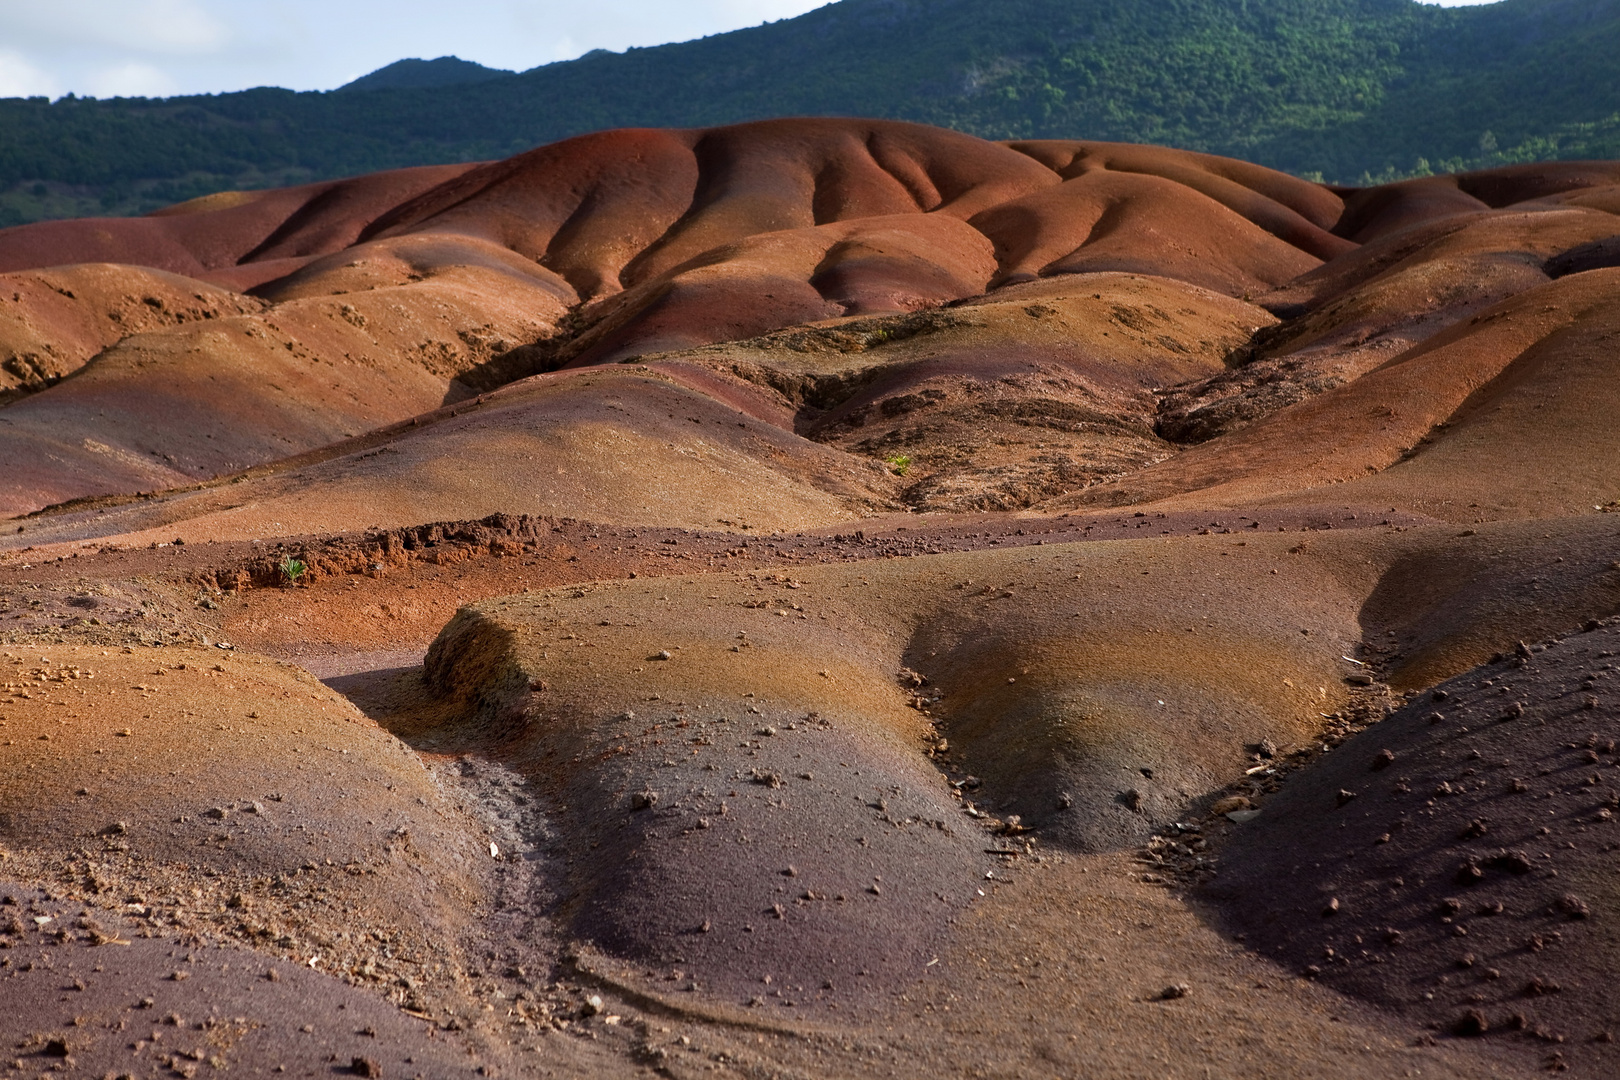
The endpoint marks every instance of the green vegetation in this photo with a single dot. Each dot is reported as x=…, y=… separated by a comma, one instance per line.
x=292, y=569
x=899, y=463
x=1348, y=90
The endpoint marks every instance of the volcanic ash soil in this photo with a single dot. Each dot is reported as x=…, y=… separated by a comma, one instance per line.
x=817, y=597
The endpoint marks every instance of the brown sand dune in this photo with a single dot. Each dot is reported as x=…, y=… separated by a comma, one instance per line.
x=703, y=190
x=1089, y=684
x=621, y=444
x=997, y=404
x=292, y=808
x=1302, y=214
x=1136, y=223
x=776, y=279
x=1468, y=885
x=100, y=1000
x=52, y=321
x=738, y=232
x=1367, y=308
x=708, y=704
x=1027, y=393
x=868, y=565
x=185, y=404
x=1394, y=433
x=1529, y=235
x=1375, y=212
x=220, y=232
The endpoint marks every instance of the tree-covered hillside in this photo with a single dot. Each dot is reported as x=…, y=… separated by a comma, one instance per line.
x=1348, y=89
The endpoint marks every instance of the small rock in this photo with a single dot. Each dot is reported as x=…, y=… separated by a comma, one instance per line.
x=1174, y=992
x=1472, y=1024
x=1344, y=796
x=1231, y=803
x=1332, y=908
x=661, y=654
x=644, y=800
x=1359, y=678
x=1573, y=906
x=593, y=1005
x=364, y=1066
x=1383, y=760
x=1242, y=817
x=1132, y=800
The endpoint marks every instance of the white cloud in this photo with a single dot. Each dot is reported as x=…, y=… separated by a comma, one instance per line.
x=19, y=78
x=164, y=27
x=131, y=79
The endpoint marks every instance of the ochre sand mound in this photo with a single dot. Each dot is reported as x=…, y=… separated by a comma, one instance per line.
x=52, y=321
x=294, y=807
x=203, y=398
x=814, y=593
x=1088, y=669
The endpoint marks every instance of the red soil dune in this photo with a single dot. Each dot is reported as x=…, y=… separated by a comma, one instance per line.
x=52, y=321
x=225, y=233
x=671, y=239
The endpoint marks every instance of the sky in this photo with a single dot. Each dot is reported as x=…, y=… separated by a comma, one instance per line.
x=156, y=48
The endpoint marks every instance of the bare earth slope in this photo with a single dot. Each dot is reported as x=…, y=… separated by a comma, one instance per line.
x=814, y=598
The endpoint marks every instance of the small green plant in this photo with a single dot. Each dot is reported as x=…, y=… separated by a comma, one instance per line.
x=292, y=569
x=899, y=463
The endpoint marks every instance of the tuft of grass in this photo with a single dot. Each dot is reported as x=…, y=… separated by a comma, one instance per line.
x=898, y=464
x=292, y=569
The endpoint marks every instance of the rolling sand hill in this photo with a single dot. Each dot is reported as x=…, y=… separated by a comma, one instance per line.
x=815, y=598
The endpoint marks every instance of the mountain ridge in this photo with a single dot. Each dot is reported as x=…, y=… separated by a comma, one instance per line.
x=414, y=72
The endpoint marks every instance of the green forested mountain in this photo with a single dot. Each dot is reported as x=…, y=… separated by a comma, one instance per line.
x=1348, y=89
